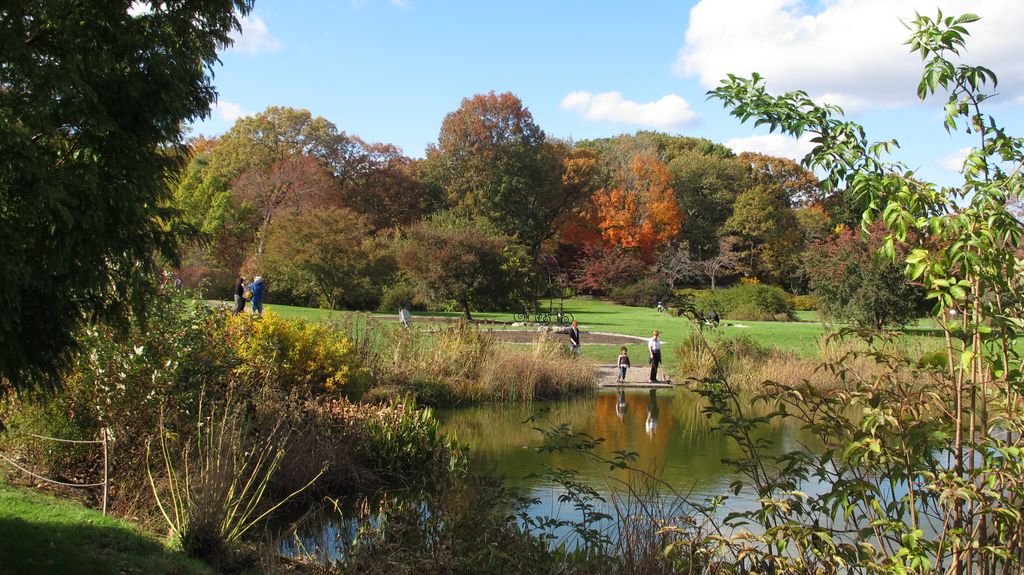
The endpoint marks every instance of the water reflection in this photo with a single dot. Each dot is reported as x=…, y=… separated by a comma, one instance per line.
x=673, y=438
x=666, y=428
x=651, y=425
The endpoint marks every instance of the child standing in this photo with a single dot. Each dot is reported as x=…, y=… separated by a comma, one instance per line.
x=623, y=364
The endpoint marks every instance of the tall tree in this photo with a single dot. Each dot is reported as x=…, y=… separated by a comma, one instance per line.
x=706, y=187
x=641, y=211
x=467, y=262
x=259, y=141
x=385, y=186
x=493, y=161
x=326, y=257
x=93, y=97
x=769, y=229
x=796, y=182
x=291, y=183
x=724, y=260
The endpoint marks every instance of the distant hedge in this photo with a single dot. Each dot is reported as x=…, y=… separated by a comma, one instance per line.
x=746, y=302
x=644, y=293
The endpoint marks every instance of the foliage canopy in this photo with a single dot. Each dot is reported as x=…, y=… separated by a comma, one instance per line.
x=93, y=97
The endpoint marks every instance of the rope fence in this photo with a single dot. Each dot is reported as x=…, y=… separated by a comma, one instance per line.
x=105, y=484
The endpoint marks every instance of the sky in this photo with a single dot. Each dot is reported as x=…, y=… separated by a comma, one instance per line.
x=390, y=70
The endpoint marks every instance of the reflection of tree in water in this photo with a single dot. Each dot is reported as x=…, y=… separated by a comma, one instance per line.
x=682, y=443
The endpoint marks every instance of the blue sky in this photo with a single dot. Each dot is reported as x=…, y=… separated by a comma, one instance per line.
x=389, y=70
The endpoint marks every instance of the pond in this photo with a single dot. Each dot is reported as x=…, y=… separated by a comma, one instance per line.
x=665, y=428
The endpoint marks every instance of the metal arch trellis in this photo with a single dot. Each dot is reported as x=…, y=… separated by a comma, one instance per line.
x=105, y=484
x=556, y=281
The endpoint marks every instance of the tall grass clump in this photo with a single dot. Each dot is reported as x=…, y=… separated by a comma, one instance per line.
x=541, y=372
x=212, y=488
x=459, y=364
x=749, y=365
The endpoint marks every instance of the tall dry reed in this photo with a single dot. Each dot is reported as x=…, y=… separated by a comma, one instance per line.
x=749, y=365
x=470, y=364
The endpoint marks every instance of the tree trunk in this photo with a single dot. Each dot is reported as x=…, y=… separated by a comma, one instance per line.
x=465, y=310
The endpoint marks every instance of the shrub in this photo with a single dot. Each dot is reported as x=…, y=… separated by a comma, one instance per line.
x=803, y=302
x=361, y=447
x=698, y=360
x=855, y=286
x=214, y=484
x=753, y=302
x=119, y=381
x=296, y=356
x=398, y=296
x=430, y=392
x=644, y=293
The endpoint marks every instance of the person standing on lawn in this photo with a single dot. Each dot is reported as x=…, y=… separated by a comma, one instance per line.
x=239, y=296
x=574, y=338
x=654, y=355
x=258, y=291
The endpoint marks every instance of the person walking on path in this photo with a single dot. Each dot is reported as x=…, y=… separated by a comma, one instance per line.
x=574, y=338
x=623, y=364
x=405, y=317
x=258, y=291
x=239, y=296
x=654, y=355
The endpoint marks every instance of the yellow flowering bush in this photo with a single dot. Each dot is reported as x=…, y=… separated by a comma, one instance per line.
x=291, y=354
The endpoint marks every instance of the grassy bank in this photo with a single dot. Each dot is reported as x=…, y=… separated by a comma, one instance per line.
x=43, y=534
x=801, y=338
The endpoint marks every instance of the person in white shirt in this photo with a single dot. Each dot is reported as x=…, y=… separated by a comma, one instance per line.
x=654, y=354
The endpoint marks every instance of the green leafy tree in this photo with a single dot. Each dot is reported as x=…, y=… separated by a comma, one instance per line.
x=769, y=229
x=853, y=284
x=941, y=431
x=706, y=187
x=93, y=97
x=259, y=141
x=469, y=263
x=327, y=257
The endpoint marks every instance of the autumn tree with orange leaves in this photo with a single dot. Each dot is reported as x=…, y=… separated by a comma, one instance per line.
x=640, y=212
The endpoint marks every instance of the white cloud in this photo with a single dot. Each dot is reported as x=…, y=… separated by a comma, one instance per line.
x=254, y=38
x=848, y=52
x=954, y=162
x=670, y=112
x=229, y=111
x=773, y=145
x=139, y=8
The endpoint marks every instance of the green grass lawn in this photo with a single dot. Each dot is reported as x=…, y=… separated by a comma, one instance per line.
x=44, y=535
x=801, y=336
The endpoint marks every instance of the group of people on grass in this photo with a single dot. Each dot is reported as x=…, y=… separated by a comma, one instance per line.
x=653, y=345
x=249, y=291
x=653, y=352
